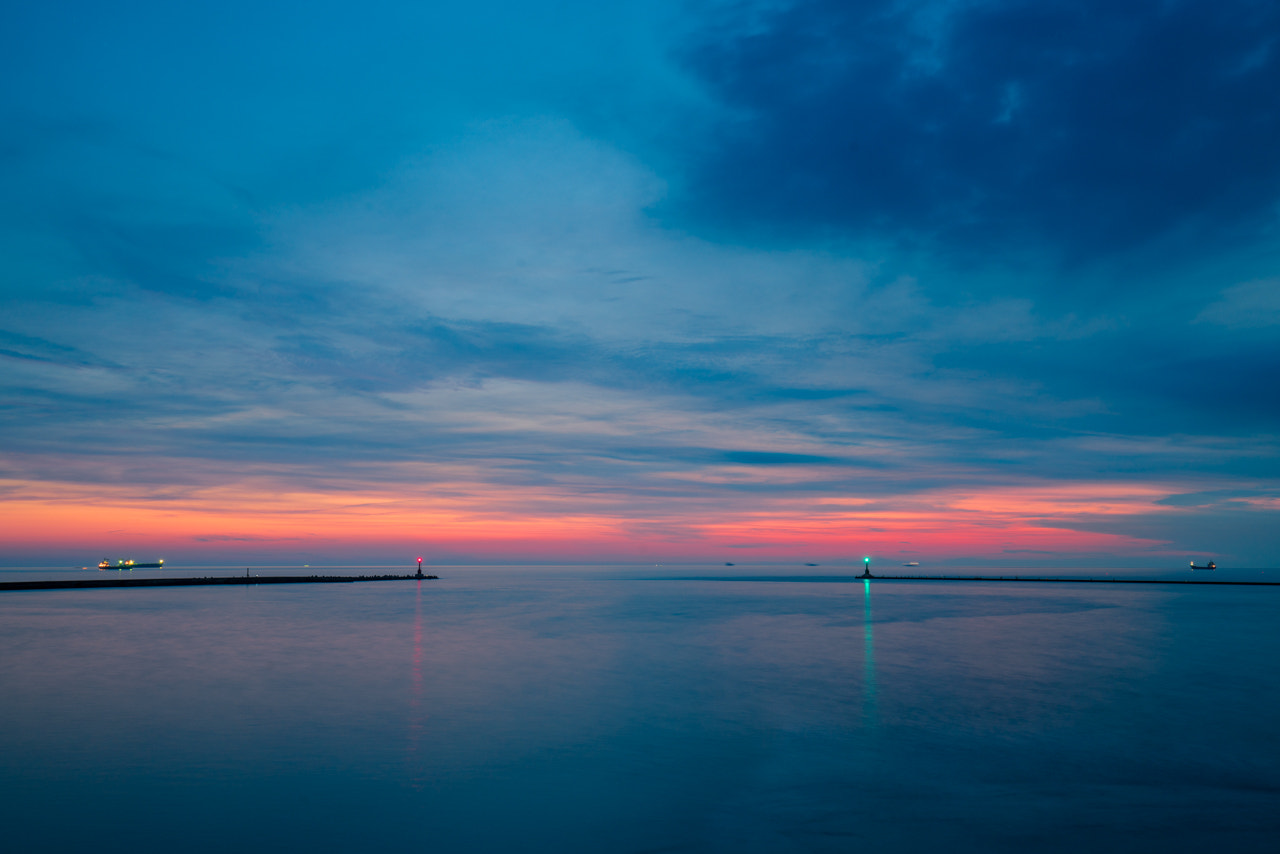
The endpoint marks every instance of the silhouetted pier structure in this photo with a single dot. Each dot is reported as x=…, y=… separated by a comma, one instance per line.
x=866, y=576
x=1069, y=579
x=85, y=583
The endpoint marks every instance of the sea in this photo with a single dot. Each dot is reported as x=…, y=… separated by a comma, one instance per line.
x=630, y=709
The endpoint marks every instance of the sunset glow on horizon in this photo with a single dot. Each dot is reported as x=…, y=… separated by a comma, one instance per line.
x=476, y=523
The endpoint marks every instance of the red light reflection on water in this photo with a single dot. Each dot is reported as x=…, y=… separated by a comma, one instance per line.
x=416, y=715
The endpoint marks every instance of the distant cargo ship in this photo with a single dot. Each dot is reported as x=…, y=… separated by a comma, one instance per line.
x=129, y=564
x=912, y=563
x=1211, y=565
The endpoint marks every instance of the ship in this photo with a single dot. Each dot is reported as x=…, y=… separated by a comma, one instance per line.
x=129, y=564
x=1211, y=565
x=912, y=563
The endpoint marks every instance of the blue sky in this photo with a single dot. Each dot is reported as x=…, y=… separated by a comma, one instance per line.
x=985, y=282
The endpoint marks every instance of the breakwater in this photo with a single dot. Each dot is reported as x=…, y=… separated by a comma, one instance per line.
x=1006, y=578
x=84, y=583
x=1069, y=580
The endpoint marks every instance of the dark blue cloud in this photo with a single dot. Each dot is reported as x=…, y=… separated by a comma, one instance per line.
x=768, y=458
x=16, y=346
x=1082, y=127
x=1250, y=533
x=1212, y=497
x=1144, y=381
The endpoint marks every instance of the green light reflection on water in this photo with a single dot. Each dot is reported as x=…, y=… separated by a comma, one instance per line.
x=868, y=657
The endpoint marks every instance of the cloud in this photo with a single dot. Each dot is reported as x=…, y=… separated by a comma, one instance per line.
x=1079, y=129
x=1150, y=379
x=1249, y=535
x=505, y=303
x=16, y=346
x=1237, y=498
x=1247, y=305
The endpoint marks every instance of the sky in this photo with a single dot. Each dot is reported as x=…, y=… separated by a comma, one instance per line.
x=966, y=283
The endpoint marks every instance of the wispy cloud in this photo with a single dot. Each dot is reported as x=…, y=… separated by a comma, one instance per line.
x=1247, y=305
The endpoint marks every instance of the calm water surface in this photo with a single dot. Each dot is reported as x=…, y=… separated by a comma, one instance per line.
x=627, y=710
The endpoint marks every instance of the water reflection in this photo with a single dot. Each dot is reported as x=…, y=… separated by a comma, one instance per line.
x=415, y=696
x=580, y=713
x=868, y=658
